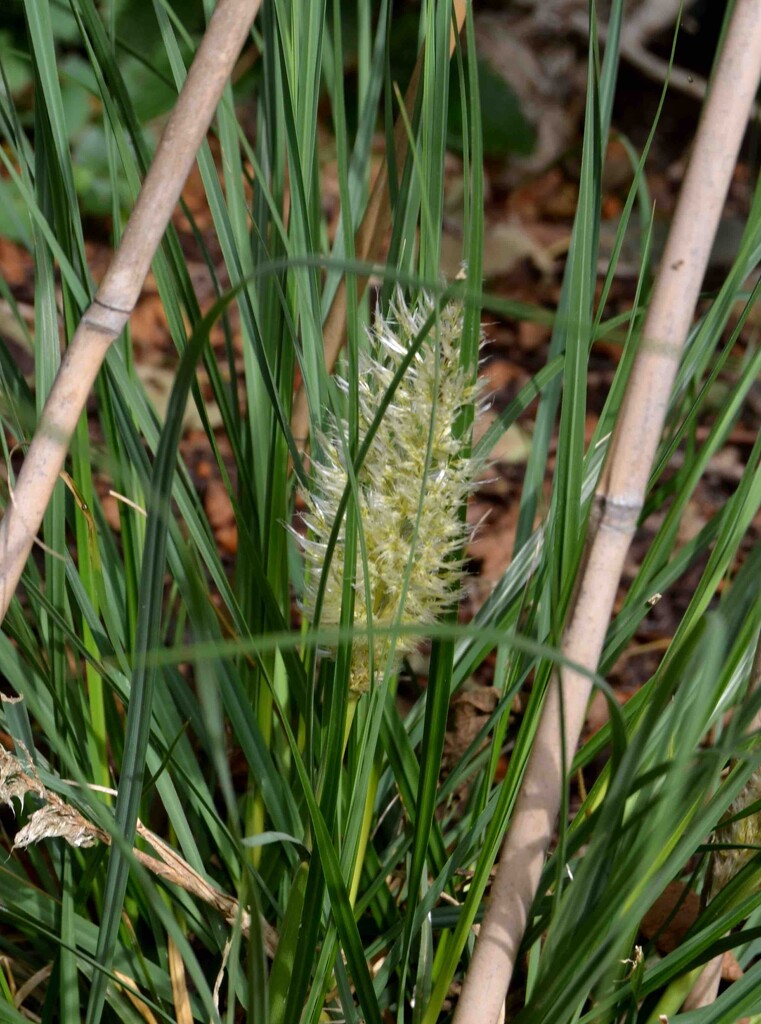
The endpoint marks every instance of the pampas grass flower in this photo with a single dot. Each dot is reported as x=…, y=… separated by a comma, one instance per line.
x=411, y=488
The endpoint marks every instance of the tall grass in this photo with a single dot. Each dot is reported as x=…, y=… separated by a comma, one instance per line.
x=146, y=665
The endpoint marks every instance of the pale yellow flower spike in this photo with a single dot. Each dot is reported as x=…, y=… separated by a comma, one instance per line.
x=414, y=467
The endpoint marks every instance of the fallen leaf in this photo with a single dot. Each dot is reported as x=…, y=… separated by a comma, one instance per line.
x=217, y=505
x=730, y=968
x=227, y=539
x=667, y=931
x=469, y=710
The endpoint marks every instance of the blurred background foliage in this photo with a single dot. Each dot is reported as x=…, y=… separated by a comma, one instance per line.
x=145, y=66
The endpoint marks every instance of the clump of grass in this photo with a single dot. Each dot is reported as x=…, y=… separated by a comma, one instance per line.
x=323, y=869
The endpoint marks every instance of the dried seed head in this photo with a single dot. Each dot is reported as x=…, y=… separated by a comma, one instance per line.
x=411, y=488
x=55, y=819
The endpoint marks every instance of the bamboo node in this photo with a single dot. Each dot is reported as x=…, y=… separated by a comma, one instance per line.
x=113, y=309
x=100, y=328
x=105, y=318
x=618, y=515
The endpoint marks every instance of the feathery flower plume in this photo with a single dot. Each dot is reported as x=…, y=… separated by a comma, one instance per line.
x=411, y=488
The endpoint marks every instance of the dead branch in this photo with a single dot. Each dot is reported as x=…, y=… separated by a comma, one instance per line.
x=650, y=19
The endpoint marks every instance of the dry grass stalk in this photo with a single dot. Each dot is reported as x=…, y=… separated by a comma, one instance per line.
x=22, y=994
x=131, y=991
x=115, y=299
x=706, y=988
x=56, y=819
x=183, y=1011
x=617, y=506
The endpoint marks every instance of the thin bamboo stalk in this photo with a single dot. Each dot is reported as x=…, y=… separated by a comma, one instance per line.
x=115, y=299
x=618, y=503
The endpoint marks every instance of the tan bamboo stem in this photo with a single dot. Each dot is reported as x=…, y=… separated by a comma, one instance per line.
x=706, y=987
x=119, y=291
x=618, y=503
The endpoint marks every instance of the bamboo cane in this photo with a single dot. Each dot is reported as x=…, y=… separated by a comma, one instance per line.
x=618, y=502
x=115, y=299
